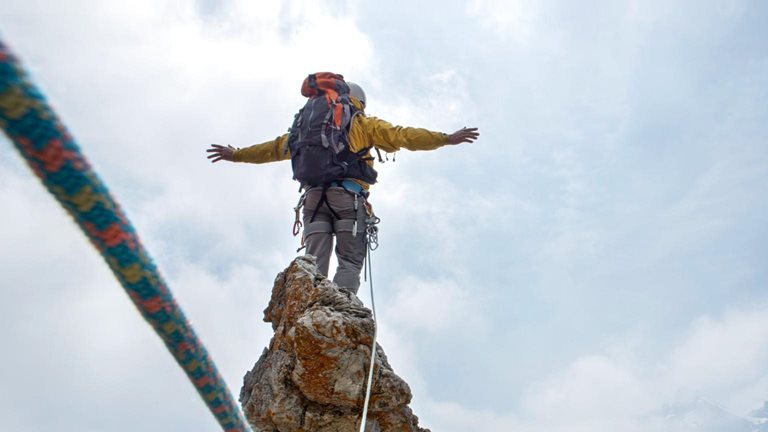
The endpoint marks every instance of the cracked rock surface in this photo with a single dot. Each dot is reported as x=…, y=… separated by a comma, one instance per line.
x=312, y=376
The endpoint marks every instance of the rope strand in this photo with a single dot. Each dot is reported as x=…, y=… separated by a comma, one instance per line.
x=32, y=125
x=372, y=244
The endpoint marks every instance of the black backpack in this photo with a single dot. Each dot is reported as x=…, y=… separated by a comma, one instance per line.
x=319, y=136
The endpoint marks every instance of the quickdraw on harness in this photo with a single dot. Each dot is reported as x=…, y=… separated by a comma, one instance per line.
x=372, y=232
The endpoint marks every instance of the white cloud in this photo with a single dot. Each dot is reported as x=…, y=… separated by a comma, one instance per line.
x=442, y=305
x=453, y=417
x=507, y=18
x=441, y=103
x=723, y=355
x=595, y=391
x=722, y=359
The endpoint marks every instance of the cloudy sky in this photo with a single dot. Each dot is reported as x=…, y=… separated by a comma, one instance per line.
x=594, y=261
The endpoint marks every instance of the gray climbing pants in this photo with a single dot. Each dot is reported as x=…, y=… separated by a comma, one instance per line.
x=350, y=236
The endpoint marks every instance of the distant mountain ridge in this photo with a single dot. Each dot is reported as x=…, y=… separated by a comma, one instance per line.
x=706, y=416
x=761, y=413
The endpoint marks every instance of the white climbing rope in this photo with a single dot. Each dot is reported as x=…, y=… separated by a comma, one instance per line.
x=372, y=244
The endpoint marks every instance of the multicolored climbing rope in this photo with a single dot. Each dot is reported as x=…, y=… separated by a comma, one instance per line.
x=54, y=156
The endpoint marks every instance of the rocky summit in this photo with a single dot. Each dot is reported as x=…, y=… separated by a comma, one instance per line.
x=312, y=377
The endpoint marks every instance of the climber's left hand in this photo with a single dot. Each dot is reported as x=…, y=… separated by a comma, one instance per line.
x=219, y=152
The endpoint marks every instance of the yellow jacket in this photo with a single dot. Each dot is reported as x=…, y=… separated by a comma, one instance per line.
x=365, y=132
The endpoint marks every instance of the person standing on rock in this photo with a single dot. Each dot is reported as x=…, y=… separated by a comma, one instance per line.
x=329, y=146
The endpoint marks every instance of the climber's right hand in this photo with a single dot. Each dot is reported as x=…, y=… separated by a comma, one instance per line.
x=220, y=152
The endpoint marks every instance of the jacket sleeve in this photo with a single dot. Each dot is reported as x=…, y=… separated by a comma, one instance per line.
x=390, y=138
x=270, y=151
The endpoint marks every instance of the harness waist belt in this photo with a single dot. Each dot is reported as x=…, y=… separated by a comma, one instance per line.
x=351, y=186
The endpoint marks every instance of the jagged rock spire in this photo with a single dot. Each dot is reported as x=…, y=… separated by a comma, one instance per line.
x=312, y=376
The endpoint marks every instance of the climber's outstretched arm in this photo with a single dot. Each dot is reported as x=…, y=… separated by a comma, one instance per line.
x=270, y=151
x=463, y=135
x=390, y=138
x=220, y=152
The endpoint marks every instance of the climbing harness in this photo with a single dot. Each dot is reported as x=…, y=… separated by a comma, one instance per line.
x=352, y=187
x=372, y=240
x=52, y=153
x=324, y=200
